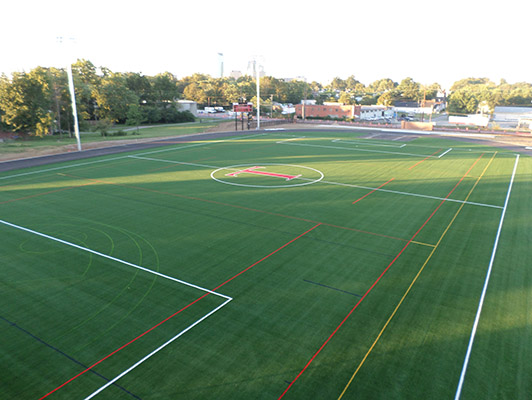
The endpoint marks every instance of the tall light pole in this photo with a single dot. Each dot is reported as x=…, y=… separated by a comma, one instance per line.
x=72, y=95
x=74, y=109
x=258, y=93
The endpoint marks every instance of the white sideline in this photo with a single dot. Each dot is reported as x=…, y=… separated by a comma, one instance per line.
x=156, y=350
x=113, y=258
x=484, y=289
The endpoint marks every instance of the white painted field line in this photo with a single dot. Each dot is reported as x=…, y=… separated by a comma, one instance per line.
x=156, y=350
x=185, y=163
x=63, y=167
x=112, y=258
x=406, y=193
x=485, y=288
x=448, y=150
x=291, y=139
x=175, y=162
x=200, y=144
x=398, y=138
x=175, y=148
x=227, y=298
x=367, y=143
x=353, y=149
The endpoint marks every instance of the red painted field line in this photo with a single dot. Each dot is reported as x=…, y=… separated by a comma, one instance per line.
x=376, y=281
x=44, y=193
x=419, y=162
x=174, y=314
x=374, y=190
x=242, y=208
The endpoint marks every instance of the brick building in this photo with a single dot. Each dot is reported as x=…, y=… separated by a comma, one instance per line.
x=332, y=110
x=339, y=110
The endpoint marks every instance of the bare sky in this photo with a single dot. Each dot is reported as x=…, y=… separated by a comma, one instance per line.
x=428, y=41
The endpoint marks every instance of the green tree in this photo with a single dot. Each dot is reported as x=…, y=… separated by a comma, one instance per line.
x=346, y=98
x=296, y=91
x=386, y=99
x=194, y=92
x=164, y=87
x=382, y=85
x=25, y=101
x=134, y=116
x=86, y=81
x=114, y=98
x=61, y=103
x=462, y=101
x=410, y=89
x=337, y=84
x=230, y=92
x=431, y=91
x=141, y=86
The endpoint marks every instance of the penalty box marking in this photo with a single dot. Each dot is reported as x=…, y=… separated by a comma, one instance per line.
x=112, y=381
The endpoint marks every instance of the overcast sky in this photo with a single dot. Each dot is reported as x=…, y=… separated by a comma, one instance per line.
x=428, y=41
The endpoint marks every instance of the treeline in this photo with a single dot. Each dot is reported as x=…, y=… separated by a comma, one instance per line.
x=38, y=102
x=469, y=96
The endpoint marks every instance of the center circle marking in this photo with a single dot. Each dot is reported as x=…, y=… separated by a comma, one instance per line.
x=236, y=167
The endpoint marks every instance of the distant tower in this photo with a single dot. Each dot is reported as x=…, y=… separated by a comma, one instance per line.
x=221, y=60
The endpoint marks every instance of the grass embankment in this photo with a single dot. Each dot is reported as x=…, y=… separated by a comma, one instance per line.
x=34, y=146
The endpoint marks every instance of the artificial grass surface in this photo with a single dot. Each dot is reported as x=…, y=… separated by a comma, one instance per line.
x=296, y=261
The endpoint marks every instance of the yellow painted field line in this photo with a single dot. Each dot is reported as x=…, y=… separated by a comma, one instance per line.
x=414, y=280
x=423, y=244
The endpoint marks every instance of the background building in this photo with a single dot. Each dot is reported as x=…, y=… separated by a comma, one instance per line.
x=327, y=110
x=188, y=105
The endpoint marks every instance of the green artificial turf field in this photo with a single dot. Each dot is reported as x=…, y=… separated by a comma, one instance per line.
x=306, y=265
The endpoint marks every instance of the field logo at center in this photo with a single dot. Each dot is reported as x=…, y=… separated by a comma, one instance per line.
x=253, y=170
x=252, y=175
